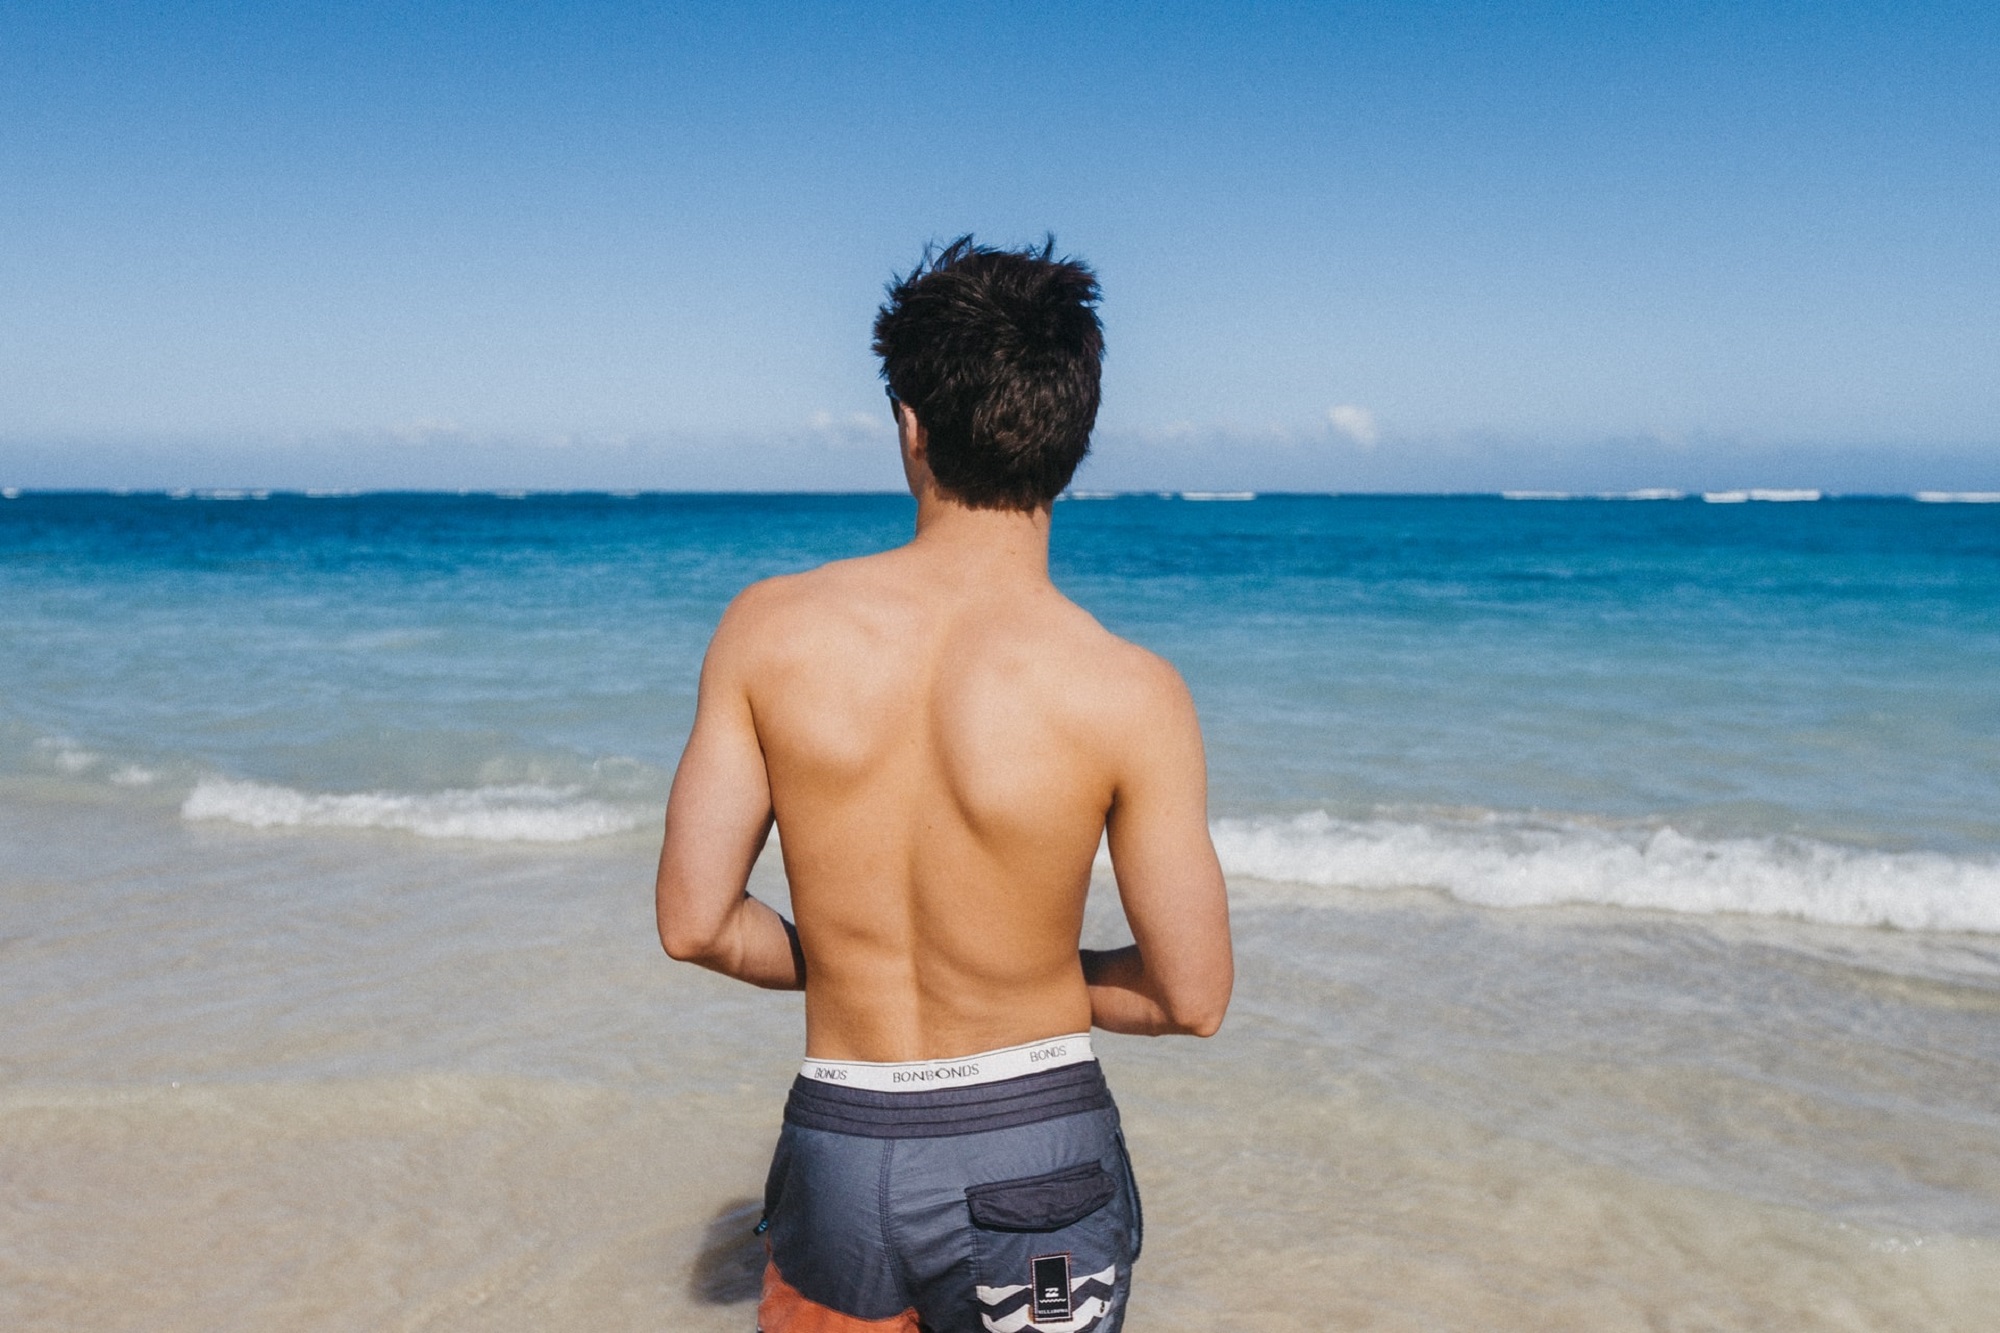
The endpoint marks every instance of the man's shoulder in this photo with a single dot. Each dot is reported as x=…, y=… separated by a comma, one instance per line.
x=1116, y=675
x=1087, y=635
x=823, y=588
x=771, y=598
x=780, y=610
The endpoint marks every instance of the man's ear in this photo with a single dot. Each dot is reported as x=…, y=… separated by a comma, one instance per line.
x=911, y=435
x=913, y=444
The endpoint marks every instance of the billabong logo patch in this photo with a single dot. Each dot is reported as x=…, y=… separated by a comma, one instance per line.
x=1051, y=1286
x=1051, y=1302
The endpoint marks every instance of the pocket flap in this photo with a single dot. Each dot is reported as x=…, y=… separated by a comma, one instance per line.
x=1041, y=1203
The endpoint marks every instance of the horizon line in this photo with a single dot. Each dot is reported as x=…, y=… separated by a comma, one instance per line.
x=1725, y=495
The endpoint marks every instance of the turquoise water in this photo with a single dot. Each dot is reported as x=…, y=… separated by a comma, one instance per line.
x=1788, y=709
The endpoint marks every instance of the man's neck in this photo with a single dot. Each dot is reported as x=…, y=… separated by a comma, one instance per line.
x=987, y=544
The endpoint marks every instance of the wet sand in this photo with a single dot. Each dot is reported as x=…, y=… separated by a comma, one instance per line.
x=355, y=1081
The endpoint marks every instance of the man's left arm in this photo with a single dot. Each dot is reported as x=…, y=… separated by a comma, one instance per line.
x=718, y=817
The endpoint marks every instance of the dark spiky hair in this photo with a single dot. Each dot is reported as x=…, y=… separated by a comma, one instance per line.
x=998, y=354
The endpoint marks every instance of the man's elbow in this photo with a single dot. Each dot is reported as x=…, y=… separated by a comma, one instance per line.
x=1199, y=1022
x=1199, y=1016
x=689, y=942
x=1205, y=1025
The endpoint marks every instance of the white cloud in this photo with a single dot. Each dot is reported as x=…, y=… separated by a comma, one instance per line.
x=427, y=430
x=850, y=429
x=1356, y=423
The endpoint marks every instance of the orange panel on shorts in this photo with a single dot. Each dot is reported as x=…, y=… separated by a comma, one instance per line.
x=783, y=1310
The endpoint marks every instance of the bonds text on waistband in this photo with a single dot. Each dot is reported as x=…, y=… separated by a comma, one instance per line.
x=960, y=1071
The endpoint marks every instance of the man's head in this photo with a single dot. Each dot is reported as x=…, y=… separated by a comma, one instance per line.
x=997, y=352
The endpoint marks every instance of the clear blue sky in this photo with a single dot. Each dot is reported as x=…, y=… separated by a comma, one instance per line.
x=610, y=245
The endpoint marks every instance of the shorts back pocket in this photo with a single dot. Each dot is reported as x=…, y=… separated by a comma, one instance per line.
x=1041, y=1203
x=1052, y=1253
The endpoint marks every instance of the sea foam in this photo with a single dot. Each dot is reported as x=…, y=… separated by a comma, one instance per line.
x=485, y=814
x=1501, y=862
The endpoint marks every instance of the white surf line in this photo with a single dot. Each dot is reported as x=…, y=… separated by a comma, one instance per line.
x=1767, y=495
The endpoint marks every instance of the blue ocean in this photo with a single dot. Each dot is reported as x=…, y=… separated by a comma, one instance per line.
x=1616, y=886
x=1784, y=709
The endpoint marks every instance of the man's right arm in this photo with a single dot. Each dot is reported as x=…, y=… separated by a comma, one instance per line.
x=1177, y=974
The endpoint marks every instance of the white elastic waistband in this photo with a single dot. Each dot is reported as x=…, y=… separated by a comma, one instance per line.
x=963, y=1071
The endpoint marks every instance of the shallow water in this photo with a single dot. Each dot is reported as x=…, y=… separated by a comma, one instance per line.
x=1615, y=885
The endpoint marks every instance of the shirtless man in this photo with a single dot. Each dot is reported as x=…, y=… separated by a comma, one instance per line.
x=941, y=738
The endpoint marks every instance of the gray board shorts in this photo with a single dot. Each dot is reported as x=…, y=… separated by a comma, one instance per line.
x=1000, y=1207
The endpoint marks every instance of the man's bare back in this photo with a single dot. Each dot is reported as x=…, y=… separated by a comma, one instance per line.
x=943, y=737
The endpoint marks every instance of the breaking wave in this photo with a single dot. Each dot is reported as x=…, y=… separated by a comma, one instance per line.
x=1498, y=862
x=1495, y=861
x=485, y=814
